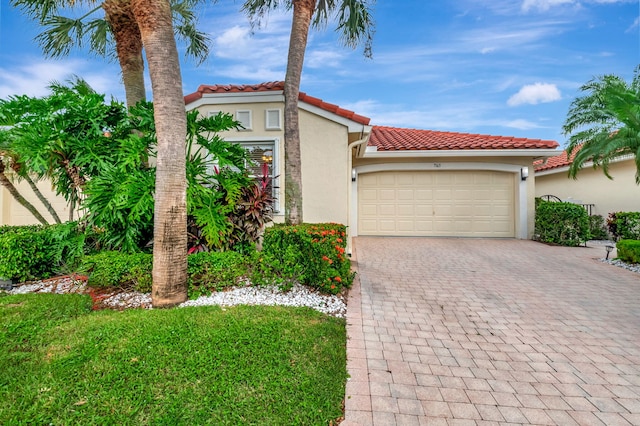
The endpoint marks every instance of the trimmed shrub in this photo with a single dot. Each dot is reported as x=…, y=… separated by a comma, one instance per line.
x=561, y=223
x=597, y=228
x=214, y=271
x=624, y=225
x=118, y=269
x=207, y=271
x=628, y=250
x=35, y=252
x=312, y=254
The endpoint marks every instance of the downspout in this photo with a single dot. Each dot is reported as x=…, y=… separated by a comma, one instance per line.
x=364, y=138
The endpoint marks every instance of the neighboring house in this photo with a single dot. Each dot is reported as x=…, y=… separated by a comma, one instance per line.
x=592, y=188
x=383, y=180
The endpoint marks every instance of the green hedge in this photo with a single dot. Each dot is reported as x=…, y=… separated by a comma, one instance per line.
x=214, y=271
x=313, y=254
x=207, y=271
x=628, y=250
x=35, y=252
x=625, y=225
x=561, y=223
x=118, y=269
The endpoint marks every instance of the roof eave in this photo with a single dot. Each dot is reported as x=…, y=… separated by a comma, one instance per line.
x=236, y=98
x=536, y=153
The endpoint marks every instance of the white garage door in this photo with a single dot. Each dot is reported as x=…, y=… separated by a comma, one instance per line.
x=437, y=203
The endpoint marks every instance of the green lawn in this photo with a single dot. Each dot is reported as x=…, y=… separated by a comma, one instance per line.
x=63, y=364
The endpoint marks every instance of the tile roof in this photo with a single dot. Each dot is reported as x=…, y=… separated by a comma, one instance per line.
x=397, y=139
x=274, y=86
x=556, y=162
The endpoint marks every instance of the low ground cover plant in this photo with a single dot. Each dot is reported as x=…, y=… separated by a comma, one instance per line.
x=63, y=364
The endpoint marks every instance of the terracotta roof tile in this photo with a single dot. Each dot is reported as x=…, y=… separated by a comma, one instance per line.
x=274, y=86
x=558, y=161
x=397, y=139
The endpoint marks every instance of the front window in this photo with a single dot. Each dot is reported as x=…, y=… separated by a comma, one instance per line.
x=263, y=163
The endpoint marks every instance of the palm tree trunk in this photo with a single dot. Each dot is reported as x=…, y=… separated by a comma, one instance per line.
x=42, y=199
x=4, y=181
x=302, y=13
x=128, y=40
x=170, y=211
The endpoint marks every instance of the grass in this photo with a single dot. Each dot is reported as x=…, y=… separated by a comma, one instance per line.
x=64, y=364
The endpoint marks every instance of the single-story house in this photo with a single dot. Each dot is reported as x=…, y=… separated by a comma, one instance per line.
x=599, y=194
x=383, y=180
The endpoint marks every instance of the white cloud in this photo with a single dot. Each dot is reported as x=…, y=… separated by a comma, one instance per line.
x=543, y=4
x=534, y=94
x=324, y=58
x=521, y=124
x=33, y=77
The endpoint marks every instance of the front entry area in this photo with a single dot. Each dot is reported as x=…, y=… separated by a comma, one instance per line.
x=447, y=203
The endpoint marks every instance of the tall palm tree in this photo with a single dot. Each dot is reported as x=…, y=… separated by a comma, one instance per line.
x=170, y=212
x=355, y=25
x=604, y=123
x=118, y=25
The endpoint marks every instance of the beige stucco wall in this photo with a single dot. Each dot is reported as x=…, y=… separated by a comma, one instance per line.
x=593, y=187
x=447, y=163
x=12, y=213
x=324, y=152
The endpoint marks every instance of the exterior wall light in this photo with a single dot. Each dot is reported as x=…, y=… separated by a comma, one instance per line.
x=353, y=175
x=524, y=173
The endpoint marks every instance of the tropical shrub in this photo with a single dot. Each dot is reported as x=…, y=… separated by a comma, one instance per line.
x=561, y=223
x=214, y=271
x=313, y=254
x=251, y=213
x=35, y=252
x=624, y=225
x=597, y=228
x=101, y=155
x=118, y=269
x=628, y=250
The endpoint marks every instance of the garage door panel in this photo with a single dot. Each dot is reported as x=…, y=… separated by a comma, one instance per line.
x=405, y=210
x=386, y=210
x=423, y=194
x=437, y=203
x=405, y=194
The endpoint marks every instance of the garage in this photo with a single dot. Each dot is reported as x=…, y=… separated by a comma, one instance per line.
x=446, y=203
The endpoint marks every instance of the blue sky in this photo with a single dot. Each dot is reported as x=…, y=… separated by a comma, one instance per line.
x=501, y=67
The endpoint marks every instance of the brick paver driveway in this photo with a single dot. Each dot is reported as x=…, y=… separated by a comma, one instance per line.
x=479, y=331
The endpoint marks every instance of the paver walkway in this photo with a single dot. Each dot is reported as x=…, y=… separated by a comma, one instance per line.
x=478, y=331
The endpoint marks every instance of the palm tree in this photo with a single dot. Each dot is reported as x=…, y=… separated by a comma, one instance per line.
x=604, y=123
x=355, y=25
x=170, y=212
x=63, y=33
